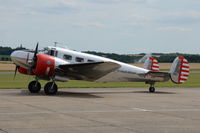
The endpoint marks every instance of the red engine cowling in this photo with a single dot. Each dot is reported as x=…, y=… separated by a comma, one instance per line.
x=45, y=65
x=22, y=70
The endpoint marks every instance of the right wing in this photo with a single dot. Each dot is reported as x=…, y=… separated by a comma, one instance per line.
x=87, y=71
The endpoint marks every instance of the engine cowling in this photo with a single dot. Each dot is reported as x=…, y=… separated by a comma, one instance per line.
x=45, y=65
x=22, y=70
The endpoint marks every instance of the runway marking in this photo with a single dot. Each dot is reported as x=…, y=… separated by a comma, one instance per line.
x=140, y=109
x=101, y=111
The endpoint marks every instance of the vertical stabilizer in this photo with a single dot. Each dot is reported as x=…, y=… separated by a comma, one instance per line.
x=180, y=70
x=151, y=64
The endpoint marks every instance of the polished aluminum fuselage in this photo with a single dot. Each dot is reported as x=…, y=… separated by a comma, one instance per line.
x=125, y=73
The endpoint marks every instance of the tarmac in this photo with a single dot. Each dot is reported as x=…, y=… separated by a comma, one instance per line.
x=101, y=110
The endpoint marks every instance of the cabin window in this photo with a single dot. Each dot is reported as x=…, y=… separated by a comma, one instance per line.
x=56, y=54
x=79, y=59
x=67, y=57
x=91, y=61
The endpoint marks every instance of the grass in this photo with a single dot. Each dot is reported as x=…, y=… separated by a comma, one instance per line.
x=21, y=81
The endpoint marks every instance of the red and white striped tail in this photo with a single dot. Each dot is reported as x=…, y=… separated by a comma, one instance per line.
x=151, y=64
x=180, y=70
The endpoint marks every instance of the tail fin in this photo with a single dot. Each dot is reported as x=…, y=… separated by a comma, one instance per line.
x=180, y=70
x=151, y=64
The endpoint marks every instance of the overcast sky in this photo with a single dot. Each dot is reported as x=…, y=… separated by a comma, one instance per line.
x=119, y=26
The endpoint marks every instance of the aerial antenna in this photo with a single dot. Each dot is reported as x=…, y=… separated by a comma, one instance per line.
x=55, y=44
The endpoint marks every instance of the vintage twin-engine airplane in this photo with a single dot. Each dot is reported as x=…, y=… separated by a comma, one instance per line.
x=59, y=64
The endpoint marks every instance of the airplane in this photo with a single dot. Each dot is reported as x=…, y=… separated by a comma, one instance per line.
x=61, y=64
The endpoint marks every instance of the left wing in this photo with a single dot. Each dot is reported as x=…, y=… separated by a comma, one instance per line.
x=87, y=71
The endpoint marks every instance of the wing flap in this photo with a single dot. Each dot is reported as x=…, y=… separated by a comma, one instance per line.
x=87, y=71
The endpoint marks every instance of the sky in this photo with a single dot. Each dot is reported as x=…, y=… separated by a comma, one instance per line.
x=117, y=26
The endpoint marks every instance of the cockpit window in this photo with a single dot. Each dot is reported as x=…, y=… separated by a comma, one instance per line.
x=91, y=61
x=51, y=52
x=67, y=57
x=79, y=59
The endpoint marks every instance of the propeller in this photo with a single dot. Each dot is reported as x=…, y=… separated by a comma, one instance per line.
x=35, y=56
x=35, y=53
x=16, y=68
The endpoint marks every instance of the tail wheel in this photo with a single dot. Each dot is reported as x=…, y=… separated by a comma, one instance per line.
x=34, y=86
x=151, y=89
x=50, y=88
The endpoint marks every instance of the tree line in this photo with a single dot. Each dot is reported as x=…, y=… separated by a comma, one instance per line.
x=161, y=57
x=6, y=51
x=127, y=58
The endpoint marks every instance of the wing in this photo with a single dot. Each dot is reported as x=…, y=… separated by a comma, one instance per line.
x=87, y=71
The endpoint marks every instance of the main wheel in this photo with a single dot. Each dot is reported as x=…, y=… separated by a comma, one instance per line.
x=34, y=86
x=50, y=88
x=151, y=89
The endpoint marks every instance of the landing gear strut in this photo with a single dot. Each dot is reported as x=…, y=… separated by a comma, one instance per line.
x=34, y=86
x=50, y=88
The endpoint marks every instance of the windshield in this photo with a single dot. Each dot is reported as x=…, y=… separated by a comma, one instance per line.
x=49, y=51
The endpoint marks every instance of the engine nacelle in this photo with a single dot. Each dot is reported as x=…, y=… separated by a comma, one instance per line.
x=45, y=65
x=22, y=70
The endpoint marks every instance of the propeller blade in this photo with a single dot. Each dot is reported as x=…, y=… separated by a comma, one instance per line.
x=35, y=56
x=36, y=51
x=16, y=68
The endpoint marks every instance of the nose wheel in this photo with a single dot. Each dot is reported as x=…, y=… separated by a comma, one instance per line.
x=50, y=88
x=34, y=86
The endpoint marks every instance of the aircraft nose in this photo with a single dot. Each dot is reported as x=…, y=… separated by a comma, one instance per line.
x=17, y=56
x=13, y=56
x=21, y=58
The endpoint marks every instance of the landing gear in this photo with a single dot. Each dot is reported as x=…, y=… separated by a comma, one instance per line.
x=34, y=86
x=151, y=89
x=50, y=88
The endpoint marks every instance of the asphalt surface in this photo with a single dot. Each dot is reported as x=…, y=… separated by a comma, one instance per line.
x=102, y=110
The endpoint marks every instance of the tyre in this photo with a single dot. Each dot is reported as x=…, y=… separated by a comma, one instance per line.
x=151, y=89
x=34, y=86
x=50, y=88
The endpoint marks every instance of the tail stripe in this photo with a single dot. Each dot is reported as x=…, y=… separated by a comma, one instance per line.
x=186, y=73
x=184, y=70
x=183, y=77
x=156, y=65
x=151, y=64
x=181, y=81
x=155, y=69
x=184, y=64
x=180, y=70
